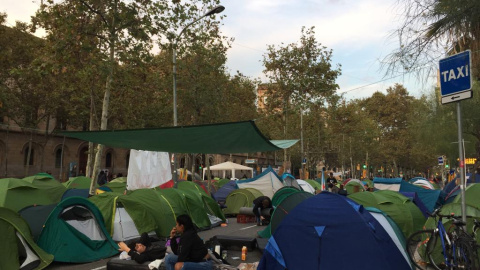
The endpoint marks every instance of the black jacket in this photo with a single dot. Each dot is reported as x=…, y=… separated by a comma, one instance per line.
x=190, y=248
x=258, y=204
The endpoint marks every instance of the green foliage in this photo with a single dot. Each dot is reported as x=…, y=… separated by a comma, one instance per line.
x=301, y=72
x=432, y=29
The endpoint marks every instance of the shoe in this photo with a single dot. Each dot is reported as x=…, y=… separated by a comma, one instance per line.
x=258, y=224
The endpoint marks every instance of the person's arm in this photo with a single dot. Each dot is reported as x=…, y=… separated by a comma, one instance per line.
x=174, y=245
x=139, y=257
x=173, y=241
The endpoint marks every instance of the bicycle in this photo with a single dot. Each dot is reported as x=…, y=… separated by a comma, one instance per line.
x=457, y=247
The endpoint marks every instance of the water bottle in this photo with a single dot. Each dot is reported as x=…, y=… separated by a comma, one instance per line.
x=224, y=254
x=244, y=253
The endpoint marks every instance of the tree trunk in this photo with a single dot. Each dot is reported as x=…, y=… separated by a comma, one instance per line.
x=106, y=102
x=27, y=165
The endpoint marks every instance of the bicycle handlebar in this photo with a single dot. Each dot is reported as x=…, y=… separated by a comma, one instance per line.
x=436, y=212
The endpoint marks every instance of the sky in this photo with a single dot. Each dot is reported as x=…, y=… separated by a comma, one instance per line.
x=359, y=33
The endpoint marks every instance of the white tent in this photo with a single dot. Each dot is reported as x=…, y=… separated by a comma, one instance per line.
x=228, y=166
x=267, y=183
x=306, y=186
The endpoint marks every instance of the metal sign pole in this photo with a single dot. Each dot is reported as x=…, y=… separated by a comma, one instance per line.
x=461, y=162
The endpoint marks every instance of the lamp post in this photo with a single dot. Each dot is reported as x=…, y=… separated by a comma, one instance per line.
x=215, y=10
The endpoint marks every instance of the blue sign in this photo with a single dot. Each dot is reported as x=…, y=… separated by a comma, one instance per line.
x=455, y=74
x=440, y=160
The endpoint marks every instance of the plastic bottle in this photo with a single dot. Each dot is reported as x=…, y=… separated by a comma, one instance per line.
x=244, y=253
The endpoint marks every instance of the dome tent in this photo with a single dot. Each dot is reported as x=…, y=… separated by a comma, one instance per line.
x=18, y=250
x=239, y=198
x=313, y=233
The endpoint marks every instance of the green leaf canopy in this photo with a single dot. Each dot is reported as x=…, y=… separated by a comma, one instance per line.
x=237, y=137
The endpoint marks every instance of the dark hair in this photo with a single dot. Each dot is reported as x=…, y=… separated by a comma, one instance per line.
x=144, y=240
x=186, y=221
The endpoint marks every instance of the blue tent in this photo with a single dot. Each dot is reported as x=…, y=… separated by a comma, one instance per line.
x=429, y=197
x=222, y=193
x=416, y=200
x=449, y=187
x=84, y=192
x=322, y=229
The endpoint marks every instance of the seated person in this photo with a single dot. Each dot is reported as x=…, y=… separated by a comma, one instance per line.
x=142, y=251
x=190, y=252
x=260, y=203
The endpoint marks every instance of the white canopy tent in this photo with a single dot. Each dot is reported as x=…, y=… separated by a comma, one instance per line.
x=228, y=166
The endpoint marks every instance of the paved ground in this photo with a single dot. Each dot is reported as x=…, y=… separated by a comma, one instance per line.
x=233, y=229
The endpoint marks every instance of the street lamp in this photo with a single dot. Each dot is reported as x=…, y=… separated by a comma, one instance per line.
x=215, y=10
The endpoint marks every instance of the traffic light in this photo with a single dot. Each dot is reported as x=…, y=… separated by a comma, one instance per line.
x=446, y=166
x=200, y=167
x=364, y=166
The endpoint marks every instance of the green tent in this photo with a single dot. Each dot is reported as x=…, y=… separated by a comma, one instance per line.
x=18, y=250
x=189, y=185
x=286, y=204
x=283, y=193
x=108, y=202
x=79, y=182
x=472, y=196
x=144, y=206
x=199, y=206
x=75, y=233
x=19, y=193
x=119, y=180
x=456, y=209
x=117, y=187
x=47, y=184
x=218, y=184
x=398, y=207
x=242, y=197
x=354, y=186
x=314, y=184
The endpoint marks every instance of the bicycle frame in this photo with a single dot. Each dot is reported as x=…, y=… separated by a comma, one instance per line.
x=443, y=236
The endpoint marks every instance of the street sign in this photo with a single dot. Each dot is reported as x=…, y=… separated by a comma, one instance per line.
x=250, y=161
x=440, y=160
x=455, y=77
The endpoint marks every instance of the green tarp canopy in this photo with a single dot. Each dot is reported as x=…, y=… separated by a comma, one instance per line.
x=237, y=137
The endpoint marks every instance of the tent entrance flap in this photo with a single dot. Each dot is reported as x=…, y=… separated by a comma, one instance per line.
x=223, y=138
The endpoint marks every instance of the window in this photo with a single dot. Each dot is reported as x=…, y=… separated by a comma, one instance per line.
x=58, y=158
x=108, y=160
x=30, y=162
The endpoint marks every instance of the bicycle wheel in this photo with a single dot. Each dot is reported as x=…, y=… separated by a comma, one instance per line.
x=464, y=256
x=417, y=248
x=436, y=254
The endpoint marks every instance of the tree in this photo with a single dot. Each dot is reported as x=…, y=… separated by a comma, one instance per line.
x=301, y=74
x=431, y=29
